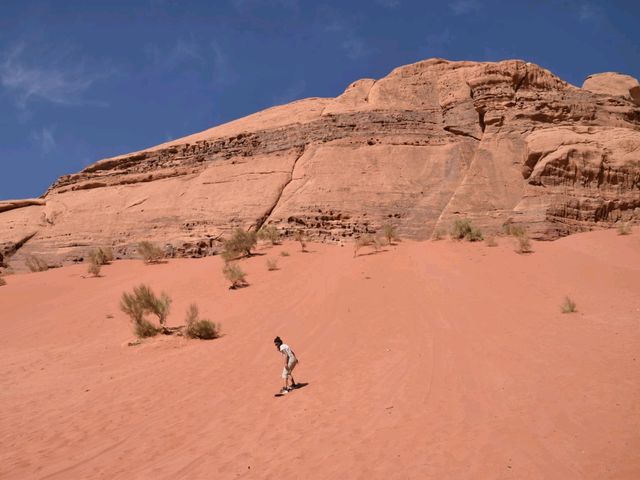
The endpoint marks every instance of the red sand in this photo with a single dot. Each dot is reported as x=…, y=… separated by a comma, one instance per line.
x=427, y=360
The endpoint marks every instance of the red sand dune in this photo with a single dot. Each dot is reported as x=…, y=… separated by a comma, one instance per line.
x=427, y=360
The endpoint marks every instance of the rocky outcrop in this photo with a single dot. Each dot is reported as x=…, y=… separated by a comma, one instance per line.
x=428, y=143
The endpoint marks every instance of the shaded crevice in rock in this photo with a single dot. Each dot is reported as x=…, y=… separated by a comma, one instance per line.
x=261, y=221
x=456, y=131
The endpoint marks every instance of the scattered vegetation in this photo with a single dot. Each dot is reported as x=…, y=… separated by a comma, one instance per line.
x=150, y=252
x=390, y=233
x=235, y=275
x=624, y=228
x=569, y=306
x=366, y=240
x=269, y=233
x=196, y=327
x=300, y=238
x=284, y=253
x=36, y=263
x=523, y=244
x=239, y=244
x=101, y=256
x=272, y=264
x=464, y=229
x=94, y=267
x=143, y=301
x=491, y=241
x=438, y=234
x=514, y=230
x=2, y=281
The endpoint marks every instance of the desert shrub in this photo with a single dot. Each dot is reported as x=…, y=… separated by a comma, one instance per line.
x=272, y=264
x=491, y=241
x=514, y=230
x=624, y=229
x=101, y=255
x=235, y=275
x=196, y=327
x=568, y=306
x=269, y=233
x=366, y=240
x=284, y=253
x=150, y=252
x=94, y=267
x=464, y=229
x=141, y=302
x=438, y=234
x=35, y=263
x=240, y=243
x=2, y=282
x=299, y=237
x=523, y=244
x=389, y=232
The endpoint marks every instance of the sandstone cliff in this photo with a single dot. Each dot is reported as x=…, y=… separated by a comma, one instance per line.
x=428, y=143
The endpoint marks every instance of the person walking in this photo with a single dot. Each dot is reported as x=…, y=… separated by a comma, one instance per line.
x=290, y=362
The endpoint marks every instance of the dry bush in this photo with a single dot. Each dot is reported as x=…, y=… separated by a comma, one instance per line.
x=202, y=328
x=272, y=264
x=101, y=256
x=523, y=244
x=2, y=282
x=624, y=229
x=438, y=234
x=464, y=229
x=514, y=230
x=150, y=252
x=390, y=233
x=235, y=275
x=141, y=302
x=284, y=253
x=239, y=244
x=269, y=233
x=366, y=240
x=299, y=237
x=94, y=268
x=491, y=241
x=35, y=263
x=569, y=306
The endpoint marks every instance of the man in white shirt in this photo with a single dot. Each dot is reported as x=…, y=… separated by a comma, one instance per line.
x=290, y=361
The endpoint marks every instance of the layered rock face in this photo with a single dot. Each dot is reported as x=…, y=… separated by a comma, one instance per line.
x=429, y=143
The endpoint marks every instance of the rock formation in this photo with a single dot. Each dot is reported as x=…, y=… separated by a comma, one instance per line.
x=428, y=143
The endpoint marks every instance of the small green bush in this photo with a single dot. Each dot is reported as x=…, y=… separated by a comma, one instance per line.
x=235, y=275
x=300, y=237
x=239, y=244
x=272, y=264
x=624, y=229
x=523, y=244
x=366, y=240
x=150, y=252
x=514, y=230
x=202, y=328
x=464, y=229
x=94, y=268
x=35, y=263
x=390, y=233
x=269, y=233
x=438, y=234
x=141, y=302
x=569, y=306
x=101, y=256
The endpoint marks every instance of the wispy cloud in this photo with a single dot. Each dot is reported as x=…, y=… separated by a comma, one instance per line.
x=464, y=7
x=223, y=72
x=48, y=75
x=181, y=52
x=44, y=139
x=351, y=43
x=243, y=5
x=388, y=3
x=589, y=12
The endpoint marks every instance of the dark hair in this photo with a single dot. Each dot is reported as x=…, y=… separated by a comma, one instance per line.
x=277, y=340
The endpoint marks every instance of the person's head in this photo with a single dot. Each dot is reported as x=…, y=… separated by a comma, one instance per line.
x=277, y=341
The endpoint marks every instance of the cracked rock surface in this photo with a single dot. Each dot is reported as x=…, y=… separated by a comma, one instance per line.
x=430, y=142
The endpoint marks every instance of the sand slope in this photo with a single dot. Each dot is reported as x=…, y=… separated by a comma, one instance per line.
x=427, y=360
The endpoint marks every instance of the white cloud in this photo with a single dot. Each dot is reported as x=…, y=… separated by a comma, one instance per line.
x=44, y=139
x=223, y=72
x=182, y=51
x=589, y=12
x=351, y=43
x=244, y=5
x=45, y=75
x=464, y=7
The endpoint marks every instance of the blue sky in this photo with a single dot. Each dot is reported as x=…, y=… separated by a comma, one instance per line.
x=84, y=80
